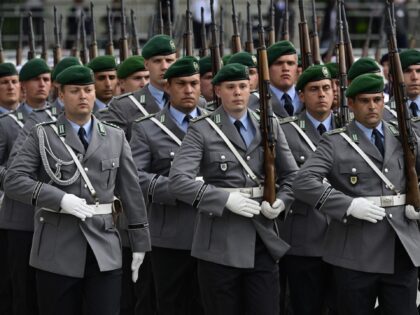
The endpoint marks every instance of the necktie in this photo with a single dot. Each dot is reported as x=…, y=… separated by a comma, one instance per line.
x=82, y=137
x=165, y=98
x=288, y=105
x=378, y=141
x=414, y=109
x=187, y=119
x=321, y=128
x=238, y=125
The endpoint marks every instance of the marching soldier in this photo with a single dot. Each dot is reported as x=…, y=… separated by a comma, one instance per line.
x=206, y=75
x=235, y=238
x=361, y=66
x=171, y=221
x=335, y=83
x=9, y=88
x=373, y=247
x=132, y=74
x=70, y=170
x=304, y=228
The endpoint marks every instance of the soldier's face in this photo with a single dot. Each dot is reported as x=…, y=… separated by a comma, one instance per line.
x=134, y=82
x=234, y=96
x=184, y=92
x=9, y=91
x=317, y=97
x=283, y=72
x=157, y=67
x=367, y=108
x=253, y=79
x=78, y=100
x=207, y=86
x=412, y=81
x=105, y=85
x=37, y=89
x=336, y=91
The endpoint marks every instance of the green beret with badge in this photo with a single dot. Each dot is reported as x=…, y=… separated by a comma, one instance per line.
x=63, y=64
x=244, y=58
x=368, y=83
x=231, y=72
x=362, y=66
x=333, y=68
x=312, y=74
x=158, y=45
x=409, y=57
x=129, y=66
x=33, y=68
x=7, y=69
x=76, y=75
x=183, y=67
x=102, y=63
x=281, y=48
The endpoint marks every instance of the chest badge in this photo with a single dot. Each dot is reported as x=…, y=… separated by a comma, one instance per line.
x=223, y=167
x=353, y=180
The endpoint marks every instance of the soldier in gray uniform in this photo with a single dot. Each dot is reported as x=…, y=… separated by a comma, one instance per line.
x=303, y=228
x=9, y=88
x=132, y=74
x=71, y=170
x=154, y=142
x=236, y=238
x=373, y=247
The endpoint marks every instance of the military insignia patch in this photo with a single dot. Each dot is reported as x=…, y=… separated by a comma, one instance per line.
x=172, y=44
x=196, y=67
x=223, y=167
x=325, y=72
x=254, y=59
x=353, y=180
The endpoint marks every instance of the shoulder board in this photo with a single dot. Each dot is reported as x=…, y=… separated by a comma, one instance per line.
x=122, y=95
x=256, y=93
x=255, y=115
x=200, y=117
x=37, y=110
x=103, y=110
x=287, y=119
x=394, y=130
x=415, y=119
x=46, y=123
x=336, y=131
x=109, y=124
x=145, y=117
x=4, y=114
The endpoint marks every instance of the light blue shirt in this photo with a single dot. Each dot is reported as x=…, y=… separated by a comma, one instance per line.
x=179, y=117
x=368, y=132
x=247, y=129
x=100, y=104
x=293, y=95
x=27, y=108
x=417, y=101
x=60, y=103
x=157, y=95
x=327, y=122
x=87, y=127
x=3, y=110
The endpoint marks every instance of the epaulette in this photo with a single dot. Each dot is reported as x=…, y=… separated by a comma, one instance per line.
x=109, y=124
x=393, y=122
x=41, y=109
x=336, y=131
x=122, y=95
x=255, y=115
x=4, y=114
x=256, y=93
x=415, y=119
x=200, y=117
x=394, y=130
x=45, y=123
x=145, y=117
x=287, y=119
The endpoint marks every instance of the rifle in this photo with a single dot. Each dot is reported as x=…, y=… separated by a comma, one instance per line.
x=347, y=40
x=214, y=51
x=203, y=49
x=135, y=48
x=160, y=19
x=343, y=111
x=76, y=45
x=249, y=44
x=305, y=46
x=188, y=44
x=84, y=52
x=236, y=38
x=221, y=34
x=93, y=48
x=19, y=47
x=60, y=29
x=31, y=38
x=1, y=40
x=412, y=40
x=57, y=45
x=380, y=42
x=407, y=136
x=44, y=51
x=365, y=50
x=266, y=116
x=314, y=36
x=271, y=30
x=285, y=32
x=109, y=49
x=169, y=15
x=123, y=39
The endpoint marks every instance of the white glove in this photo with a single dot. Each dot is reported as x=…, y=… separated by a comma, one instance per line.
x=241, y=204
x=272, y=212
x=411, y=213
x=135, y=265
x=71, y=204
x=364, y=209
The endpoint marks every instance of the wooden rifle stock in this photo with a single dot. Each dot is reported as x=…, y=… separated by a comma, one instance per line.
x=160, y=19
x=203, y=49
x=109, y=48
x=31, y=38
x=19, y=47
x=2, y=59
x=249, y=44
x=135, y=47
x=57, y=44
x=93, y=48
x=343, y=111
x=84, y=52
x=188, y=44
x=216, y=62
x=75, y=51
x=169, y=16
x=123, y=39
x=221, y=33
x=271, y=30
x=285, y=32
x=236, y=38
x=44, y=51
x=305, y=46
x=347, y=39
x=314, y=36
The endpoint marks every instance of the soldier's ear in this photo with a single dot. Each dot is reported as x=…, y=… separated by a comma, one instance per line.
x=350, y=102
x=301, y=97
x=217, y=90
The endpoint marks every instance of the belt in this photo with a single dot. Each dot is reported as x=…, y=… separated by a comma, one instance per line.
x=388, y=201
x=255, y=192
x=104, y=208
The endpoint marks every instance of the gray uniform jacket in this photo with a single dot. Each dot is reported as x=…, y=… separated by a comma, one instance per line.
x=352, y=243
x=222, y=236
x=171, y=220
x=303, y=228
x=60, y=240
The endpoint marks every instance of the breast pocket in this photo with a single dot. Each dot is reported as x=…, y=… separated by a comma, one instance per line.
x=221, y=163
x=109, y=169
x=357, y=175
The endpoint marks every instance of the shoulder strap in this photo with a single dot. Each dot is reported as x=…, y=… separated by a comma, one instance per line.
x=304, y=135
x=19, y=122
x=139, y=106
x=53, y=118
x=392, y=111
x=166, y=130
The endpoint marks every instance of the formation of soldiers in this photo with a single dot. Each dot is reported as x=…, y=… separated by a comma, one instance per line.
x=271, y=184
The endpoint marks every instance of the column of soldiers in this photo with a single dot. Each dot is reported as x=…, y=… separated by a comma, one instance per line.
x=152, y=201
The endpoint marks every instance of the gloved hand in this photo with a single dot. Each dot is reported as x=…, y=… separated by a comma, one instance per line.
x=135, y=265
x=241, y=204
x=272, y=212
x=411, y=213
x=71, y=204
x=364, y=209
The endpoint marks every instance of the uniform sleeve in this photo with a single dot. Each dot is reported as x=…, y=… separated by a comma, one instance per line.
x=3, y=153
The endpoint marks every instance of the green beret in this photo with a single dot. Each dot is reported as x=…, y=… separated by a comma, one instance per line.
x=226, y=58
x=63, y=64
x=312, y=74
x=33, y=68
x=183, y=67
x=76, y=75
x=158, y=45
x=231, y=72
x=281, y=48
x=7, y=69
x=205, y=64
x=361, y=66
x=129, y=66
x=409, y=57
x=367, y=83
x=244, y=58
x=299, y=60
x=102, y=63
x=333, y=69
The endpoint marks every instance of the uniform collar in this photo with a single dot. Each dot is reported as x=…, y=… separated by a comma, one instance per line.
x=327, y=122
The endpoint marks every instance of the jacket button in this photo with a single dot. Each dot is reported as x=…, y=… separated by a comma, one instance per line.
x=386, y=170
x=223, y=157
x=41, y=219
x=85, y=185
x=291, y=211
x=344, y=221
x=211, y=214
x=86, y=169
x=353, y=170
x=248, y=158
x=390, y=215
x=302, y=158
x=113, y=164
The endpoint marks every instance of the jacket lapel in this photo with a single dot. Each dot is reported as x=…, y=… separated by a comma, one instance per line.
x=391, y=143
x=170, y=122
x=256, y=142
x=310, y=130
x=277, y=108
x=71, y=137
x=96, y=141
x=150, y=103
x=229, y=129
